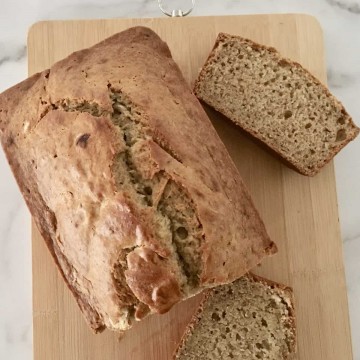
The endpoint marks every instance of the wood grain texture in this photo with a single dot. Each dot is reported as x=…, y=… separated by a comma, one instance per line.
x=300, y=213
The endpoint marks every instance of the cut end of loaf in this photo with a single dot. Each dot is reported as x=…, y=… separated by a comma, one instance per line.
x=252, y=318
x=276, y=101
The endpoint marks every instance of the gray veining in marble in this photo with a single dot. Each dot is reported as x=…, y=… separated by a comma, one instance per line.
x=339, y=79
x=15, y=55
x=351, y=6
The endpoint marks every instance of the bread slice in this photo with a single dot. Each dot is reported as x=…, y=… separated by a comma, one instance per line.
x=252, y=318
x=137, y=211
x=276, y=101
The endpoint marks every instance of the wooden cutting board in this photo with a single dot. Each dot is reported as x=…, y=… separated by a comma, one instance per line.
x=300, y=213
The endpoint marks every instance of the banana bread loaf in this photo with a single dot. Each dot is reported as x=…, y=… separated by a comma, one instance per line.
x=127, y=180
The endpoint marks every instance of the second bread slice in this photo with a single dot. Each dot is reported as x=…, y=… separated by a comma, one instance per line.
x=252, y=318
x=275, y=100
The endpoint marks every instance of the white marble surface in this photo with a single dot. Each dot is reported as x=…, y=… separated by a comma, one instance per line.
x=340, y=20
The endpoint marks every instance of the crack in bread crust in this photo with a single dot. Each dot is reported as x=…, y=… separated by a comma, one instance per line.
x=148, y=186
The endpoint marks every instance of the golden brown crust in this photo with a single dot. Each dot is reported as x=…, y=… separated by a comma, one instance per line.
x=70, y=188
x=285, y=62
x=43, y=216
x=255, y=278
x=151, y=269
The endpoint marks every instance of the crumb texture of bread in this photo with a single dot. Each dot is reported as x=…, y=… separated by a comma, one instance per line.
x=275, y=100
x=107, y=148
x=251, y=318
